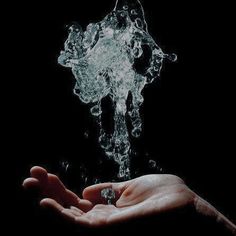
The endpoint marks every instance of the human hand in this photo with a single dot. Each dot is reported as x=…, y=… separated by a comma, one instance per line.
x=145, y=196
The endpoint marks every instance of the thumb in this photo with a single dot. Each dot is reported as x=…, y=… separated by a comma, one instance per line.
x=93, y=193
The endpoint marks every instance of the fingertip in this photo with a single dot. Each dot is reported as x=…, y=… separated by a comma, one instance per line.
x=39, y=173
x=88, y=193
x=38, y=169
x=51, y=204
x=44, y=202
x=120, y=203
x=94, y=190
x=47, y=202
x=93, y=193
x=30, y=183
x=85, y=192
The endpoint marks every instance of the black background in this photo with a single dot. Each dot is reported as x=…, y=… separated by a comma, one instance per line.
x=188, y=114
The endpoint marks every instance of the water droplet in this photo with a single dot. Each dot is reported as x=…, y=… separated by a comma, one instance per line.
x=109, y=195
x=152, y=164
x=86, y=134
x=136, y=132
x=122, y=14
x=97, y=181
x=96, y=110
x=172, y=57
x=139, y=23
x=65, y=165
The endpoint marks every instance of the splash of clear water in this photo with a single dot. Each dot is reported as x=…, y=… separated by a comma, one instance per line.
x=104, y=59
x=109, y=195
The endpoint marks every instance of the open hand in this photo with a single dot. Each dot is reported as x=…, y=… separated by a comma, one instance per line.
x=141, y=197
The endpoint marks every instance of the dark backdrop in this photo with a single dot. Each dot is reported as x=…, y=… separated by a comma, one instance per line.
x=188, y=114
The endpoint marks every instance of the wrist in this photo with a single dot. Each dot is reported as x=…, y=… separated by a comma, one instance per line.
x=203, y=208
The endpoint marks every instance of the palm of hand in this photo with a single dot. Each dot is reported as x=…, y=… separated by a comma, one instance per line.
x=144, y=196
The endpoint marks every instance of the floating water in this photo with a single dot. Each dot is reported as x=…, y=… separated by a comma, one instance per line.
x=152, y=164
x=104, y=60
x=65, y=165
x=109, y=195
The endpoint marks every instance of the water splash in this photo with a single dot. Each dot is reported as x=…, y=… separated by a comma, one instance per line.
x=105, y=61
x=108, y=194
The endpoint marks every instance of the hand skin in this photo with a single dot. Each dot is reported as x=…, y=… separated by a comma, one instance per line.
x=145, y=196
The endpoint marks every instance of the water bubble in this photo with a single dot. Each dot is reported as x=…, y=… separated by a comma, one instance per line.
x=122, y=14
x=152, y=164
x=137, y=52
x=96, y=110
x=172, y=57
x=139, y=23
x=133, y=12
x=136, y=132
x=133, y=153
